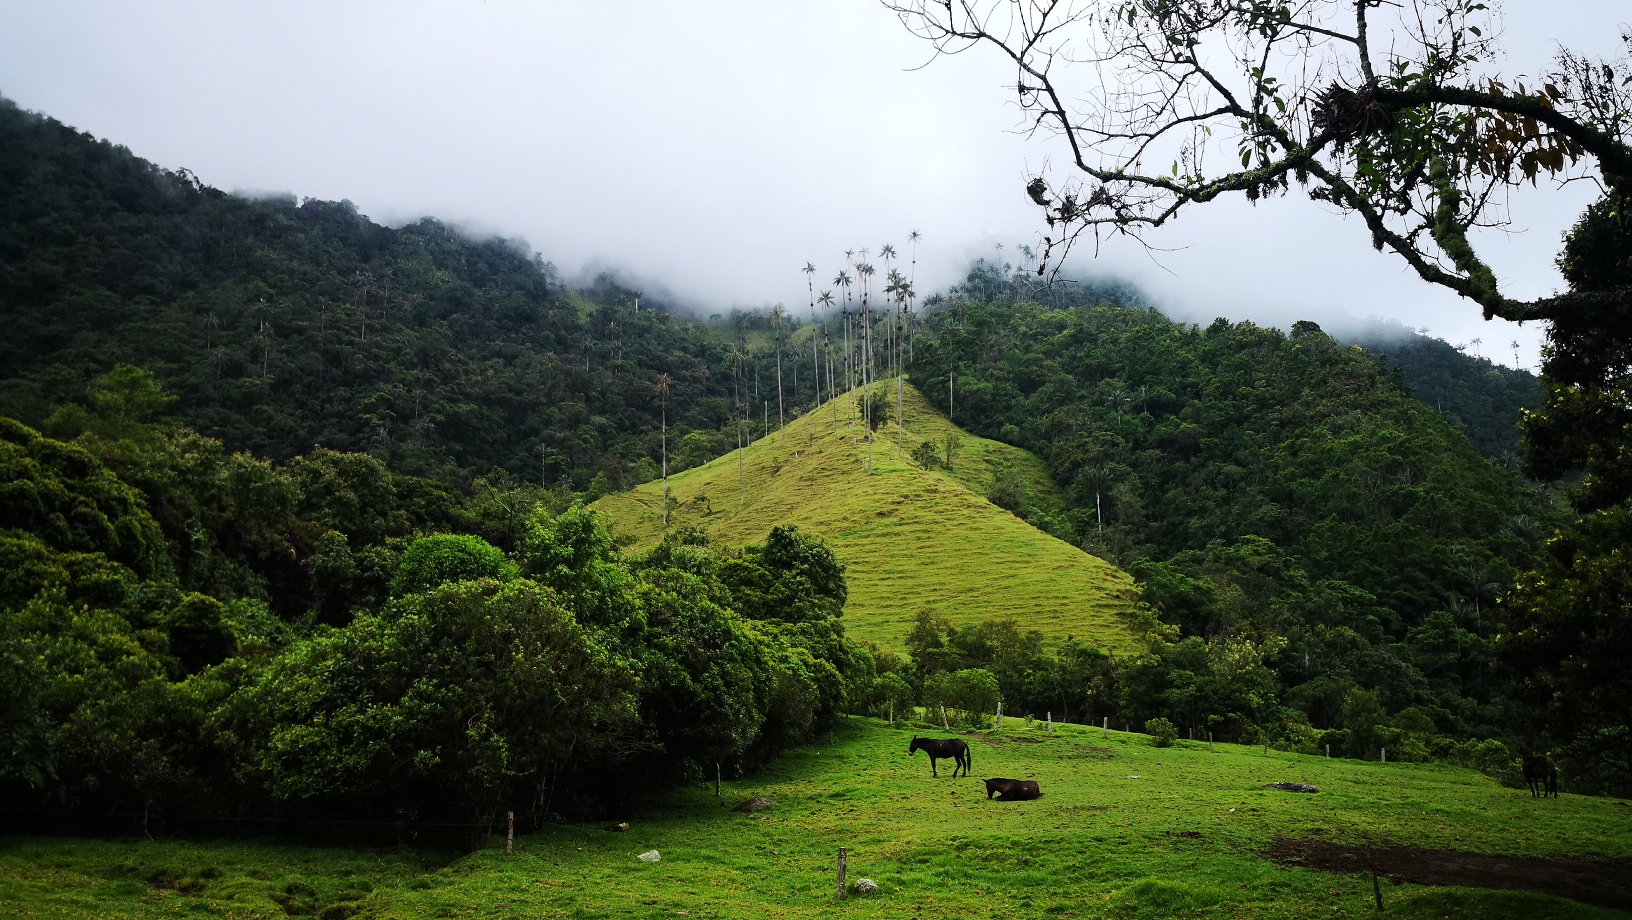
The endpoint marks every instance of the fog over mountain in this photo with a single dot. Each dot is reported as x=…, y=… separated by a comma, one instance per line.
x=713, y=149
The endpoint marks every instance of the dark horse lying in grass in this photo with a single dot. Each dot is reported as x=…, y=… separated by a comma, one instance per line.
x=938, y=748
x=1013, y=790
x=1542, y=776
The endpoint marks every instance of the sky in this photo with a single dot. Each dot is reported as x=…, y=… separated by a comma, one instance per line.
x=707, y=149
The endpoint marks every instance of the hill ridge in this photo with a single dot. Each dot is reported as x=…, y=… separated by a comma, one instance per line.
x=910, y=538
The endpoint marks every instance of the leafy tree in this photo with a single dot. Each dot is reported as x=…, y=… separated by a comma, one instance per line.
x=970, y=694
x=891, y=693
x=1567, y=638
x=61, y=494
x=468, y=689
x=706, y=681
x=1363, y=716
x=1162, y=732
x=433, y=561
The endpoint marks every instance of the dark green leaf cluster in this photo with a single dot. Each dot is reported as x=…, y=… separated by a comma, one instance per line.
x=318, y=637
x=1482, y=399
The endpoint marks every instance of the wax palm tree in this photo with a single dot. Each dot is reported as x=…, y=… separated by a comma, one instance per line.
x=826, y=302
x=842, y=280
x=832, y=394
x=863, y=314
x=903, y=296
x=1097, y=478
x=913, y=238
x=864, y=273
x=737, y=356
x=886, y=253
x=815, y=357
x=664, y=382
x=776, y=333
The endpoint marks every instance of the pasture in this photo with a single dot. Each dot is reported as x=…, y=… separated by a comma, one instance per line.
x=1123, y=830
x=909, y=537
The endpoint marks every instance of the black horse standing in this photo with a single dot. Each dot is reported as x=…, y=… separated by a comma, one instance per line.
x=938, y=748
x=1542, y=776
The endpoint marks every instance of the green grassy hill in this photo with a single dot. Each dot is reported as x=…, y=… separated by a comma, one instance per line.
x=1124, y=830
x=910, y=538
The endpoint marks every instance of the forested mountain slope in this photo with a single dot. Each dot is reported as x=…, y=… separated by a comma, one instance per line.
x=1282, y=490
x=1482, y=399
x=281, y=327
x=912, y=535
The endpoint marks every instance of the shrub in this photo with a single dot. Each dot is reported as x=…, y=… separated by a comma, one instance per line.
x=971, y=693
x=1008, y=491
x=927, y=454
x=890, y=693
x=1491, y=758
x=431, y=562
x=1162, y=732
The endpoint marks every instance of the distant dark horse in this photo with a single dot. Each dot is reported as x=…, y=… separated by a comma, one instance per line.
x=1013, y=790
x=938, y=748
x=1542, y=776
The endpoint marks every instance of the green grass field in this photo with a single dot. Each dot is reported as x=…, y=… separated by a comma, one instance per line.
x=1124, y=830
x=909, y=538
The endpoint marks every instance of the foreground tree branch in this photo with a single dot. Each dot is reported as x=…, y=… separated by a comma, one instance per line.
x=1412, y=138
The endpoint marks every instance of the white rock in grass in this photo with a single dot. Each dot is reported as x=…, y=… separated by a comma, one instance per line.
x=650, y=856
x=864, y=886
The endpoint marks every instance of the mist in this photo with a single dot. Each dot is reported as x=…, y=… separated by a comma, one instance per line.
x=705, y=152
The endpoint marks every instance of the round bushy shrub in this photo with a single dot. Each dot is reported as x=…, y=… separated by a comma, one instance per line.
x=1162, y=732
x=445, y=558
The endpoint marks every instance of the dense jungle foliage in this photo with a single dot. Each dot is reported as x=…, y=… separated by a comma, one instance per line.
x=188, y=631
x=1320, y=547
x=1482, y=399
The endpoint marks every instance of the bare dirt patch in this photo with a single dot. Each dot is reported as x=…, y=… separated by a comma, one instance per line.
x=1599, y=882
x=1098, y=753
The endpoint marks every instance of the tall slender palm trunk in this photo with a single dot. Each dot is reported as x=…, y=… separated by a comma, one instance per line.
x=665, y=459
x=900, y=401
x=832, y=394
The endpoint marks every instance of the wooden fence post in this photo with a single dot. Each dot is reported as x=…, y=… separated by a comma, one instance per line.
x=843, y=859
x=1385, y=755
x=510, y=840
x=1051, y=722
x=716, y=779
x=1105, y=729
x=1376, y=889
x=997, y=722
x=1209, y=742
x=1328, y=752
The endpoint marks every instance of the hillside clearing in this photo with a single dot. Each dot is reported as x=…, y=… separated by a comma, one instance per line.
x=910, y=538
